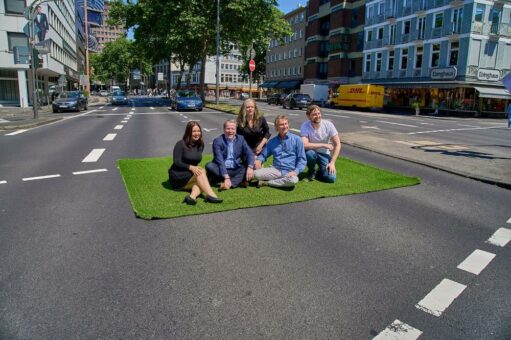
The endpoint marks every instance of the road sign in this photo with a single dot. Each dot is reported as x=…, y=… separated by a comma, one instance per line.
x=43, y=47
x=26, y=30
x=251, y=65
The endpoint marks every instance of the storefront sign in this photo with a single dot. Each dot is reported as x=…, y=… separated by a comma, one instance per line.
x=488, y=74
x=444, y=73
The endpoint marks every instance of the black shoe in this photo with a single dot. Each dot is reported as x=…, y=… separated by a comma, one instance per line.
x=310, y=177
x=212, y=199
x=189, y=200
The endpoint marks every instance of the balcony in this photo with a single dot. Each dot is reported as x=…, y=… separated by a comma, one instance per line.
x=494, y=30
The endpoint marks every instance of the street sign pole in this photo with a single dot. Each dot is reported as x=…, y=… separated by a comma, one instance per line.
x=251, y=67
x=35, y=99
x=250, y=85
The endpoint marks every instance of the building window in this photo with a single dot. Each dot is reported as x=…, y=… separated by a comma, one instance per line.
x=406, y=26
x=17, y=40
x=390, y=65
x=479, y=13
x=369, y=35
x=457, y=19
x=378, y=61
x=381, y=8
x=393, y=34
x=368, y=63
x=380, y=33
x=453, y=54
x=14, y=6
x=418, y=56
x=439, y=20
x=421, y=27
x=435, y=55
x=404, y=59
x=370, y=12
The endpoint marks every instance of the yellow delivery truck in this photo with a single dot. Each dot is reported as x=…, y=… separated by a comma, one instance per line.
x=365, y=96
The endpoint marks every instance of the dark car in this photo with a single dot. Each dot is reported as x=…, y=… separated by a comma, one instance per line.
x=186, y=100
x=119, y=98
x=70, y=101
x=276, y=98
x=298, y=100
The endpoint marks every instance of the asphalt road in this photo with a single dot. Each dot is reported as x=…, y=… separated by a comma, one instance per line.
x=76, y=263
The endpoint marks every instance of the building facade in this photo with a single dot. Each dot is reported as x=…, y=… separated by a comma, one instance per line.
x=285, y=62
x=104, y=32
x=334, y=42
x=15, y=87
x=233, y=79
x=441, y=54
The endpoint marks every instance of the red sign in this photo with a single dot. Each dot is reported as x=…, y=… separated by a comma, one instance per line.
x=251, y=65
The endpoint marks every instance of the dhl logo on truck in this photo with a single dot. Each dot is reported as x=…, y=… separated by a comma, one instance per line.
x=356, y=90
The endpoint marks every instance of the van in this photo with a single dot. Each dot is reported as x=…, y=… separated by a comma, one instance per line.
x=365, y=96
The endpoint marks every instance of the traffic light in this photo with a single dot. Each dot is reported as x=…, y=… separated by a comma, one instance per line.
x=38, y=59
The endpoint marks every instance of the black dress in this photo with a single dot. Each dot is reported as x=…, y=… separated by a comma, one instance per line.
x=254, y=135
x=179, y=174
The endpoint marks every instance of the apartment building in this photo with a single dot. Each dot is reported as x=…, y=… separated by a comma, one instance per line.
x=446, y=54
x=15, y=87
x=334, y=42
x=285, y=61
x=104, y=32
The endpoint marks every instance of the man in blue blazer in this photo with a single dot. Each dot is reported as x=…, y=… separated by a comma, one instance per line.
x=233, y=161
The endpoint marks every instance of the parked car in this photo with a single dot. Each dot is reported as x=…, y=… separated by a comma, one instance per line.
x=103, y=93
x=186, y=100
x=70, y=101
x=276, y=98
x=119, y=98
x=298, y=100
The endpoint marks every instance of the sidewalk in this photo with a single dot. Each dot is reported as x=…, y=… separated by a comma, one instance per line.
x=477, y=162
x=15, y=118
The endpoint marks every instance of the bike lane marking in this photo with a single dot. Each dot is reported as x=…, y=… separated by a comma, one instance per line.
x=501, y=237
x=399, y=330
x=476, y=262
x=93, y=156
x=441, y=297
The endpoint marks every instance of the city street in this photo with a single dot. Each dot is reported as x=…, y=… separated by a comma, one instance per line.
x=75, y=263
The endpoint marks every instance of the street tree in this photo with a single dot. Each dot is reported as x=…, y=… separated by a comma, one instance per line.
x=186, y=29
x=117, y=60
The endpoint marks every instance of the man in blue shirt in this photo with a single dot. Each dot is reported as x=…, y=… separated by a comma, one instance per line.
x=233, y=161
x=288, y=157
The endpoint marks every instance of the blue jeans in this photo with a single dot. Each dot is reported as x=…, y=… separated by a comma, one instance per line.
x=322, y=161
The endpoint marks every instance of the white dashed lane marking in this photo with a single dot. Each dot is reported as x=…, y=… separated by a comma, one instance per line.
x=441, y=297
x=93, y=156
x=3, y=182
x=449, y=130
x=509, y=221
x=16, y=132
x=476, y=262
x=501, y=237
x=399, y=331
x=152, y=108
x=115, y=109
x=392, y=123
x=110, y=137
x=89, y=171
x=118, y=127
x=39, y=177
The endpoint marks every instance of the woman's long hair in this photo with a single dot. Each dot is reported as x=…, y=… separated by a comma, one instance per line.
x=187, y=137
x=242, y=115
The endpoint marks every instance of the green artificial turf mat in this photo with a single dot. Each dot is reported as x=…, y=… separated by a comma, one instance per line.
x=146, y=182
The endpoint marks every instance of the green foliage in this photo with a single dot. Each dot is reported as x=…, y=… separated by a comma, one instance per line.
x=117, y=60
x=186, y=29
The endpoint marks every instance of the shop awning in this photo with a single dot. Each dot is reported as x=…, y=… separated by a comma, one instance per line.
x=269, y=84
x=290, y=84
x=493, y=92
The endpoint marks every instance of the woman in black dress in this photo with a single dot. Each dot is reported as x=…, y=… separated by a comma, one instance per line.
x=185, y=174
x=252, y=126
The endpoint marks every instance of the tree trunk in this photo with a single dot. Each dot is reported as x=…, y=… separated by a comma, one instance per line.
x=203, y=69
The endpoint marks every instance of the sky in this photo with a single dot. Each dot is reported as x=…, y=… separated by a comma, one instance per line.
x=287, y=6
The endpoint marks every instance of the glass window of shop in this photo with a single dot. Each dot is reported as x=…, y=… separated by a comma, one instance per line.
x=9, y=86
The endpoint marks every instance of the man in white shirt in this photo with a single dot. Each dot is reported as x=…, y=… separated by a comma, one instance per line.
x=322, y=145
